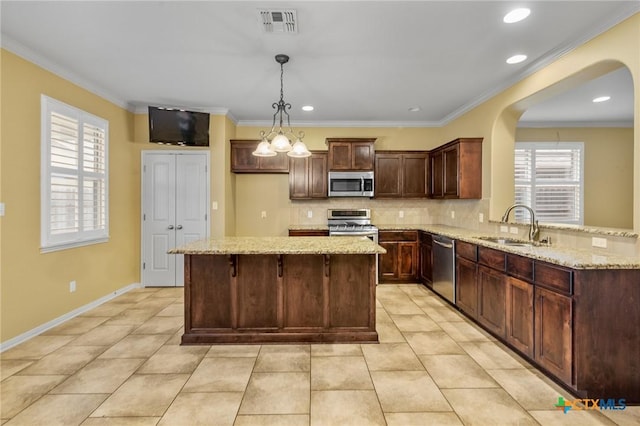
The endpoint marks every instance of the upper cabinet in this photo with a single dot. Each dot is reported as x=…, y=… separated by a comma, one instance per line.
x=456, y=169
x=243, y=161
x=401, y=174
x=351, y=153
x=308, y=176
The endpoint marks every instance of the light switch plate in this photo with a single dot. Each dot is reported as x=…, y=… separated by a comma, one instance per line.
x=504, y=228
x=1, y=209
x=309, y=214
x=513, y=230
x=480, y=217
x=214, y=205
x=400, y=214
x=453, y=214
x=263, y=214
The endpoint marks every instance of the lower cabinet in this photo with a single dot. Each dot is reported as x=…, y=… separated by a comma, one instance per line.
x=519, y=315
x=400, y=263
x=308, y=232
x=553, y=333
x=467, y=286
x=426, y=257
x=492, y=296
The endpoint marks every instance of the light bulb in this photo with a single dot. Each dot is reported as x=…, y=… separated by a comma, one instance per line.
x=280, y=143
x=264, y=150
x=299, y=150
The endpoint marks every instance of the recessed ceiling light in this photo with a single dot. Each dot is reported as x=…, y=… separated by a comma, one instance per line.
x=601, y=99
x=307, y=108
x=516, y=59
x=415, y=109
x=516, y=15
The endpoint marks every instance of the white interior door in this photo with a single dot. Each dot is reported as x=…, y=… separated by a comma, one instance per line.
x=175, y=190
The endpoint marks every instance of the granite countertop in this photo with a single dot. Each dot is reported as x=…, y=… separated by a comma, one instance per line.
x=564, y=256
x=281, y=245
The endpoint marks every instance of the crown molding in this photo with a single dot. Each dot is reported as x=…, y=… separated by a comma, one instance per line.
x=418, y=124
x=14, y=46
x=554, y=124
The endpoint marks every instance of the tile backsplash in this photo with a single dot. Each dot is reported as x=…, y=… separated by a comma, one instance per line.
x=460, y=213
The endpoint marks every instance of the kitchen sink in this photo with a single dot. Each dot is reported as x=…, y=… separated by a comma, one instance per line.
x=507, y=241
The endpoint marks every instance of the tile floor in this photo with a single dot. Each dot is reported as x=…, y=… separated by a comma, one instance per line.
x=121, y=364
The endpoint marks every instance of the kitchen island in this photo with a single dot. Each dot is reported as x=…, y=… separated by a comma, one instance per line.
x=280, y=290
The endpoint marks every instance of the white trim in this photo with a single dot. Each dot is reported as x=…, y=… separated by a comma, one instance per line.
x=295, y=124
x=66, y=317
x=547, y=124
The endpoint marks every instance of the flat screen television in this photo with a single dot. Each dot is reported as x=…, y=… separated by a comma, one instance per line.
x=178, y=127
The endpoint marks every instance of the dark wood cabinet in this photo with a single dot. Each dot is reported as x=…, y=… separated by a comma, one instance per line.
x=243, y=161
x=492, y=296
x=456, y=169
x=426, y=257
x=400, y=263
x=308, y=232
x=351, y=153
x=467, y=286
x=401, y=174
x=520, y=315
x=553, y=333
x=308, y=176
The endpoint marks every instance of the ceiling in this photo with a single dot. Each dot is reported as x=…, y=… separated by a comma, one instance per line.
x=359, y=63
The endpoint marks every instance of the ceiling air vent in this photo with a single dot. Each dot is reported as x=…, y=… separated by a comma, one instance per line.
x=278, y=20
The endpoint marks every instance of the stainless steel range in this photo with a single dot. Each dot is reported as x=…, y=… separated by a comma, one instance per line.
x=352, y=222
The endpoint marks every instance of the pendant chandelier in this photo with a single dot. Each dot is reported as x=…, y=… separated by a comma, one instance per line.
x=279, y=139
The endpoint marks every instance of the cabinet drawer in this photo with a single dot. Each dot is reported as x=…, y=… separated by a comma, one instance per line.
x=553, y=277
x=308, y=232
x=491, y=258
x=520, y=267
x=467, y=250
x=398, y=236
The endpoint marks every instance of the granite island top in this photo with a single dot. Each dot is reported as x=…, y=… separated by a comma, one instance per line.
x=281, y=245
x=564, y=256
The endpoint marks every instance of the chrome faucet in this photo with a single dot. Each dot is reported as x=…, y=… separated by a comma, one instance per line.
x=534, y=230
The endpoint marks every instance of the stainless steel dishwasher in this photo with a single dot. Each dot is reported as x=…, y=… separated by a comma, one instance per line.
x=444, y=276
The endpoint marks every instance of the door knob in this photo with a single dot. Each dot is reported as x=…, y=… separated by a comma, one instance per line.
x=170, y=227
x=179, y=227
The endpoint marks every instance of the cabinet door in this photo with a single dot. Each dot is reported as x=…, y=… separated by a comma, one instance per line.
x=437, y=175
x=414, y=175
x=388, y=175
x=277, y=164
x=362, y=156
x=520, y=315
x=492, y=300
x=242, y=159
x=388, y=262
x=317, y=175
x=426, y=259
x=450, y=161
x=553, y=333
x=407, y=261
x=298, y=178
x=467, y=286
x=340, y=155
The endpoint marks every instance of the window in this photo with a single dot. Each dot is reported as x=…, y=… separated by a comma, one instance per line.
x=74, y=187
x=549, y=178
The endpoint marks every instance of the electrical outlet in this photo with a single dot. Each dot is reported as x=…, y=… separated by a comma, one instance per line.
x=480, y=217
x=400, y=214
x=513, y=230
x=453, y=214
x=599, y=242
x=309, y=214
x=72, y=286
x=263, y=214
x=504, y=228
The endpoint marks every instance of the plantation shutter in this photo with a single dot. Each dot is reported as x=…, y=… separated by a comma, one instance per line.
x=74, y=177
x=548, y=177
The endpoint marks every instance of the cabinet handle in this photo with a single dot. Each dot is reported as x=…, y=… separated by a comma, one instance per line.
x=179, y=227
x=442, y=244
x=170, y=227
x=279, y=265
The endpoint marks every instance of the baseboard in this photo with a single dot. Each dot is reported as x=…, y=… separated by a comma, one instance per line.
x=66, y=317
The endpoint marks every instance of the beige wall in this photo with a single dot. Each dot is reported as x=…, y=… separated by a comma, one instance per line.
x=608, y=170
x=35, y=286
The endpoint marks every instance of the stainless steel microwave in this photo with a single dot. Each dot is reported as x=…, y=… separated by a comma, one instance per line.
x=351, y=184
